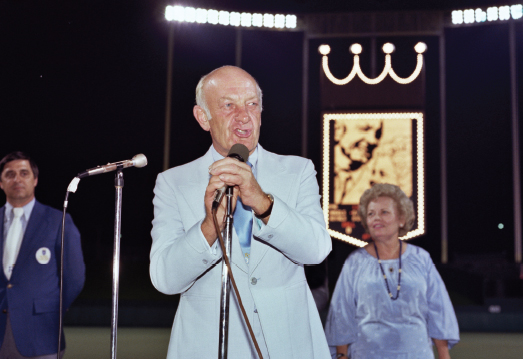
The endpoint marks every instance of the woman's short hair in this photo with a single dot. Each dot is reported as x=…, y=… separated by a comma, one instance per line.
x=403, y=204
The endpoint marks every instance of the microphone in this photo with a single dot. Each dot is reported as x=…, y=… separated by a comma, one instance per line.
x=137, y=161
x=240, y=153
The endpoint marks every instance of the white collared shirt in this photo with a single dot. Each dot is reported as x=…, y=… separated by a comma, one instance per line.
x=8, y=217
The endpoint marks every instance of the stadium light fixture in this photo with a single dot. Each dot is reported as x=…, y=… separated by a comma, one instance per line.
x=226, y=18
x=493, y=13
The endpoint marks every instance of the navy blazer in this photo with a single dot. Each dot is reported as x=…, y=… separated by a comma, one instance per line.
x=32, y=294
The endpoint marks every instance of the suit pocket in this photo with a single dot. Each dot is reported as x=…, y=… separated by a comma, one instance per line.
x=46, y=305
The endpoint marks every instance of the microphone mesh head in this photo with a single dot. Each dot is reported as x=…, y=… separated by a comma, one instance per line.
x=140, y=160
x=239, y=152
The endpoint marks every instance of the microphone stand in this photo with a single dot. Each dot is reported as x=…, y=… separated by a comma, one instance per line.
x=118, y=183
x=226, y=280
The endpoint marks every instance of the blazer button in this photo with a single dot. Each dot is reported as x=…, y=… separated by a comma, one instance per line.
x=9, y=286
x=4, y=311
x=205, y=261
x=254, y=281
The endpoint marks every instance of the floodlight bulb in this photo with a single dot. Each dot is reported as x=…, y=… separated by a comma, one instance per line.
x=189, y=14
x=516, y=11
x=169, y=13
x=290, y=21
x=356, y=49
x=223, y=18
x=457, y=17
x=201, y=16
x=324, y=49
x=492, y=13
x=388, y=48
x=481, y=15
x=469, y=16
x=257, y=20
x=420, y=47
x=246, y=19
x=504, y=12
x=235, y=19
x=279, y=21
x=268, y=20
x=213, y=16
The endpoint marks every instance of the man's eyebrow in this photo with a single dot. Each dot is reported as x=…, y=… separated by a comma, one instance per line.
x=236, y=97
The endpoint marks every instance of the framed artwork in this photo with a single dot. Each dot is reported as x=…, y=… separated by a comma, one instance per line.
x=361, y=149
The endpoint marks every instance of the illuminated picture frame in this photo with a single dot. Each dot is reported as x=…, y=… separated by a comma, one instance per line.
x=364, y=148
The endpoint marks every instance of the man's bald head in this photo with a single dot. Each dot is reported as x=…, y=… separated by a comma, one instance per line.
x=217, y=73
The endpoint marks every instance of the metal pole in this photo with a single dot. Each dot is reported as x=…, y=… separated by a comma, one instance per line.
x=373, y=50
x=443, y=146
x=118, y=183
x=515, y=142
x=226, y=281
x=305, y=96
x=168, y=96
x=238, y=47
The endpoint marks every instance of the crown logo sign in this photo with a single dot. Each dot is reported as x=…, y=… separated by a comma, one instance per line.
x=387, y=48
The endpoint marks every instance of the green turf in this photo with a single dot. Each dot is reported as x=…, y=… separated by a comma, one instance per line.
x=151, y=343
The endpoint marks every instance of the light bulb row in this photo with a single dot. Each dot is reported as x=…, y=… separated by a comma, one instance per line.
x=493, y=13
x=226, y=18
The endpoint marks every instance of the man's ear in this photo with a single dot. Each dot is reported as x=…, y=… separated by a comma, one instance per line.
x=201, y=117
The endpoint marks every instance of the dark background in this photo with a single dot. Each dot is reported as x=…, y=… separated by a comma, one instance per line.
x=84, y=82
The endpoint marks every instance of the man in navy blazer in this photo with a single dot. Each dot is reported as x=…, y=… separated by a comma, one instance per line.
x=288, y=231
x=29, y=287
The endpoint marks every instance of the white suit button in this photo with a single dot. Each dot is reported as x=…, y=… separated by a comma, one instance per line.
x=270, y=236
x=254, y=281
x=205, y=261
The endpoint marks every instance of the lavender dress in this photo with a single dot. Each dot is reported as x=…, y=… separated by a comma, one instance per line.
x=363, y=315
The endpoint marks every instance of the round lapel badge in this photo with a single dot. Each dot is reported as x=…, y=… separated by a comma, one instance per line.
x=43, y=255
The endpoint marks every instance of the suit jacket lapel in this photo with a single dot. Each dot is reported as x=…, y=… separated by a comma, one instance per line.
x=37, y=224
x=193, y=190
x=275, y=179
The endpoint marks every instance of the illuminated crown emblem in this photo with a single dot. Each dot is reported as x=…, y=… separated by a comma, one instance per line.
x=387, y=48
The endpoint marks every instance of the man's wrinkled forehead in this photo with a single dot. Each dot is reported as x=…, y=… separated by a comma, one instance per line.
x=13, y=166
x=230, y=81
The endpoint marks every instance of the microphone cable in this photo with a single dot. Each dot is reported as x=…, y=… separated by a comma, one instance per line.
x=233, y=282
x=73, y=186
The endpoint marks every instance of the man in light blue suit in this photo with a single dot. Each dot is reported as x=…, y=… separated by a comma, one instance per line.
x=288, y=231
x=30, y=257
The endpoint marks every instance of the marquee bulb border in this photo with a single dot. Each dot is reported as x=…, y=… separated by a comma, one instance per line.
x=420, y=183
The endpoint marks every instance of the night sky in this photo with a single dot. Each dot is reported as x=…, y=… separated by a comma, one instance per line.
x=83, y=84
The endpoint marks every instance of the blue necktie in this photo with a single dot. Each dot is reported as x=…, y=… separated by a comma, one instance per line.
x=243, y=226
